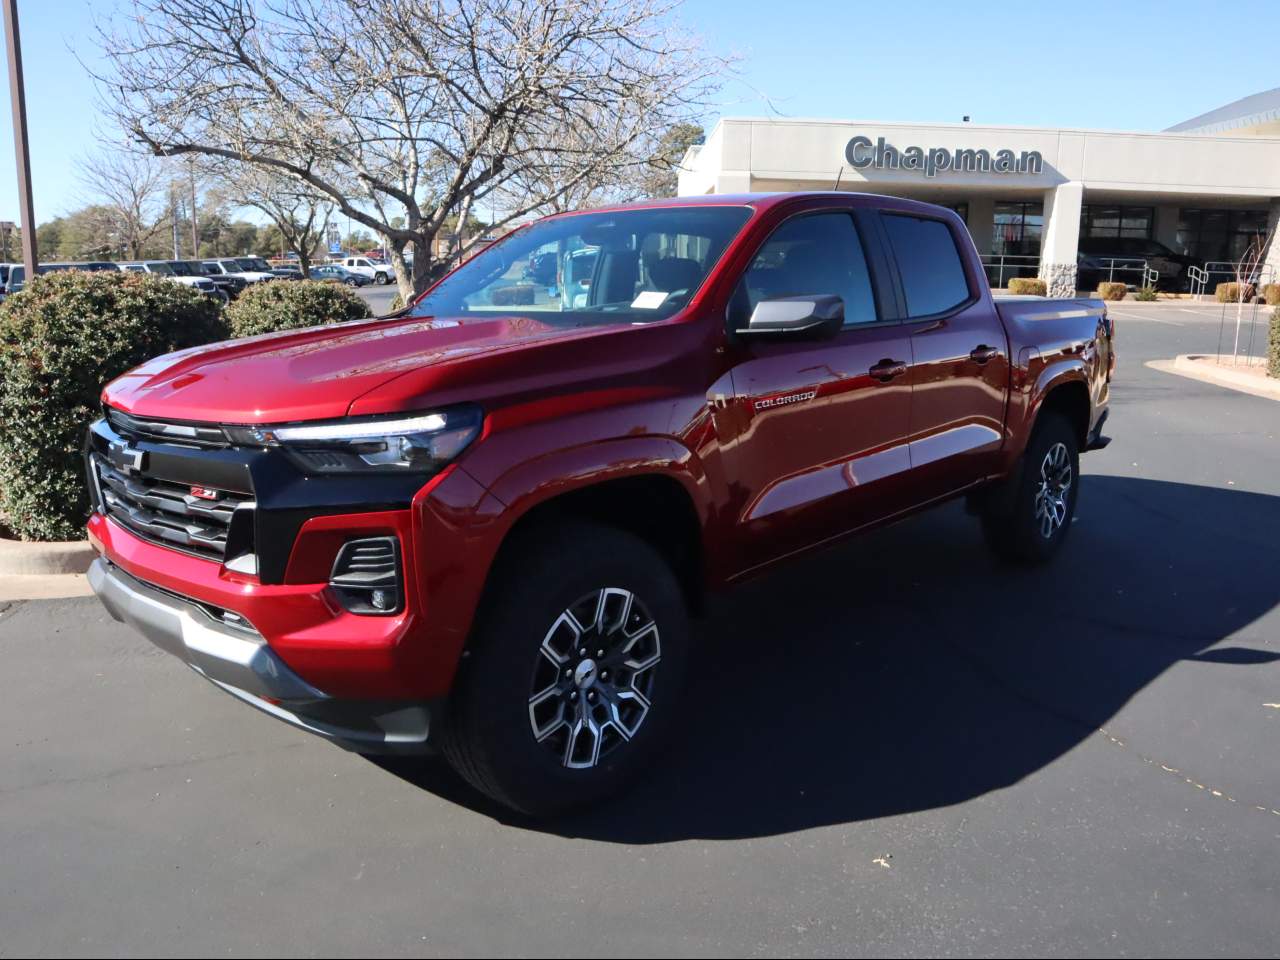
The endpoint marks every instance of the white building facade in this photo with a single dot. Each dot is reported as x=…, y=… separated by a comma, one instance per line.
x=1033, y=198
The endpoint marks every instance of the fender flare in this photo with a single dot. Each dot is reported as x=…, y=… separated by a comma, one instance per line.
x=540, y=479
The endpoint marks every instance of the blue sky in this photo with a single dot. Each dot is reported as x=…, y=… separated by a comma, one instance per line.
x=1112, y=65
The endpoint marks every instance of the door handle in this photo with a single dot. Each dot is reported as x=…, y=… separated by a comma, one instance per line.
x=982, y=353
x=886, y=370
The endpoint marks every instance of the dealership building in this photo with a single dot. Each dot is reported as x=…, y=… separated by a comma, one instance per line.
x=1034, y=197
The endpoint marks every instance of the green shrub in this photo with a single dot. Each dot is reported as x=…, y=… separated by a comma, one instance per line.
x=519, y=295
x=1271, y=294
x=1146, y=294
x=1112, y=291
x=1273, y=346
x=1028, y=286
x=1231, y=292
x=61, y=338
x=290, y=305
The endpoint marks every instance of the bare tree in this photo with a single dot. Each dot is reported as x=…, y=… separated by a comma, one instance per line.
x=301, y=215
x=408, y=108
x=132, y=190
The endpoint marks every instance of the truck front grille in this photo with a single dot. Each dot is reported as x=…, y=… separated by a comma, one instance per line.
x=197, y=519
x=166, y=431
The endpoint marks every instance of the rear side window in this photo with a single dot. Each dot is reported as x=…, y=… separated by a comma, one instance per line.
x=810, y=254
x=933, y=277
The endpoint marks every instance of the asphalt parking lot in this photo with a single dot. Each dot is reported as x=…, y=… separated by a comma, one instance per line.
x=897, y=748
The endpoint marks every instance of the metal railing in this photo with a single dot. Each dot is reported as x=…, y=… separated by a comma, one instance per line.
x=1124, y=269
x=1197, y=280
x=1215, y=272
x=1002, y=267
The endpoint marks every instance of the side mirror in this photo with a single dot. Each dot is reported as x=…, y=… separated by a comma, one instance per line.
x=817, y=317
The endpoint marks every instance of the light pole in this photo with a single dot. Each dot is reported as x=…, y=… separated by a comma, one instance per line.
x=26, y=210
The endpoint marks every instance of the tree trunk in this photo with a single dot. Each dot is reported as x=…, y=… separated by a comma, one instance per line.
x=404, y=283
x=421, y=265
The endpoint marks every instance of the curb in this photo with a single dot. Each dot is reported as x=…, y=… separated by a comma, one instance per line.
x=1185, y=365
x=22, y=558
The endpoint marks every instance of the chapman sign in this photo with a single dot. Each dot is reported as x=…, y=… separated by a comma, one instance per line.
x=862, y=154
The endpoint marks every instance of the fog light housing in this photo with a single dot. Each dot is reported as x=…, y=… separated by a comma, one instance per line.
x=366, y=576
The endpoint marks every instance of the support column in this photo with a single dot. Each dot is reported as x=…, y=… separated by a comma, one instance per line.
x=1061, y=238
x=982, y=218
x=1270, y=272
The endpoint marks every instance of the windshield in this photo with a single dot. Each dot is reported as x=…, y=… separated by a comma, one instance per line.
x=626, y=266
x=254, y=263
x=161, y=268
x=185, y=268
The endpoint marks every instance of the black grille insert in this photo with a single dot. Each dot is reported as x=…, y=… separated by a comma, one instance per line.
x=193, y=518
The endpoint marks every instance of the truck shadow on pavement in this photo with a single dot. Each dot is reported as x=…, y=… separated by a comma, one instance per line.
x=908, y=670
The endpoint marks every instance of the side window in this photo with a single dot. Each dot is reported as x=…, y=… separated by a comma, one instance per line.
x=933, y=277
x=810, y=254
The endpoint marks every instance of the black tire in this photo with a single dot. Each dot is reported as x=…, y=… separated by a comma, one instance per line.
x=1013, y=521
x=353, y=283
x=489, y=735
x=382, y=279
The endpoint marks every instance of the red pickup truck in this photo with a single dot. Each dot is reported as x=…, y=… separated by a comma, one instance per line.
x=484, y=524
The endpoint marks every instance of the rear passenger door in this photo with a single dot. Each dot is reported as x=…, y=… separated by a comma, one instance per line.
x=960, y=353
x=818, y=428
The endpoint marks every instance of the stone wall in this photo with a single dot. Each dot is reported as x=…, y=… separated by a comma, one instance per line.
x=1060, y=278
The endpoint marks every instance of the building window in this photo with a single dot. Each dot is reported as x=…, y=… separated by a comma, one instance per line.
x=1018, y=227
x=1107, y=222
x=1219, y=234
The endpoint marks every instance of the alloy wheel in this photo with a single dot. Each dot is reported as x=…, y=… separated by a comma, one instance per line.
x=1053, y=491
x=593, y=683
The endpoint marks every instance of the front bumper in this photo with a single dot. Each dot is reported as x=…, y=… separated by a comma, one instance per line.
x=239, y=660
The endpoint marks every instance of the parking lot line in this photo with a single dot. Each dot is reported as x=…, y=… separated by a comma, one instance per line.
x=1141, y=316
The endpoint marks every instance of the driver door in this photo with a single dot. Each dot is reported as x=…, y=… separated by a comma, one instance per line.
x=818, y=429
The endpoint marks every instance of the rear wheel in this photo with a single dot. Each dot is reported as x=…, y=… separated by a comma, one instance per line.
x=574, y=677
x=1029, y=521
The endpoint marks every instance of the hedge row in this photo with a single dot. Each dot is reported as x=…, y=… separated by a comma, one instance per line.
x=1233, y=293
x=1273, y=345
x=66, y=334
x=1112, y=291
x=1028, y=286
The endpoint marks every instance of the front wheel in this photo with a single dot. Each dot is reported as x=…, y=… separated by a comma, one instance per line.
x=1030, y=522
x=383, y=279
x=573, y=678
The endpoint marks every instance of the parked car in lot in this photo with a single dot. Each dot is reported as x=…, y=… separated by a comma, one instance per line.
x=287, y=273
x=542, y=268
x=228, y=285
x=332, y=271
x=18, y=272
x=1121, y=260
x=249, y=269
x=166, y=269
x=485, y=526
x=375, y=270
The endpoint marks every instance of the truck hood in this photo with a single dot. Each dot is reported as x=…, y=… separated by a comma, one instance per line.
x=317, y=373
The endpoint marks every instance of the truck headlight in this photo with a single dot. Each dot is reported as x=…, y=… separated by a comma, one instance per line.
x=421, y=443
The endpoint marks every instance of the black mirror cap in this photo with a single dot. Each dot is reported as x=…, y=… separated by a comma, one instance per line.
x=814, y=317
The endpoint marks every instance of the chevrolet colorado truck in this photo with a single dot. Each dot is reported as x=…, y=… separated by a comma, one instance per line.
x=483, y=525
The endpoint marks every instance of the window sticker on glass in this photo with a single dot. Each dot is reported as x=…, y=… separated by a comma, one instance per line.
x=649, y=300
